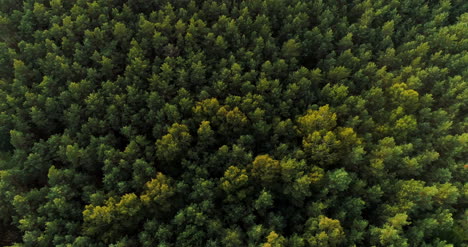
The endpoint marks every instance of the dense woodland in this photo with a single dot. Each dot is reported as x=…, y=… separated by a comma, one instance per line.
x=233, y=123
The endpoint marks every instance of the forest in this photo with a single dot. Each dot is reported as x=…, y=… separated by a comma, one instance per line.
x=257, y=123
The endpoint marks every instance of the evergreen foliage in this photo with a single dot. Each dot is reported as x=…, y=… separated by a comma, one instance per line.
x=233, y=123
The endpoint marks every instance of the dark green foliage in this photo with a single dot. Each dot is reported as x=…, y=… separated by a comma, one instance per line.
x=233, y=123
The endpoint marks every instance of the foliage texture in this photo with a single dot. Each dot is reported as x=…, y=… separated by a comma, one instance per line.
x=233, y=123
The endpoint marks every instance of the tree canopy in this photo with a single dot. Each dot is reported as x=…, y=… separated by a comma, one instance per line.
x=233, y=123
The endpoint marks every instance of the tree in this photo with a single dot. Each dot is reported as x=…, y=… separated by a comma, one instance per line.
x=266, y=169
x=171, y=146
x=324, y=231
